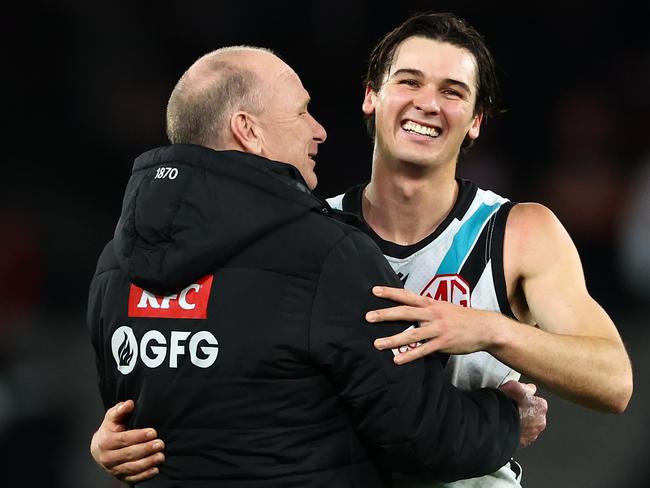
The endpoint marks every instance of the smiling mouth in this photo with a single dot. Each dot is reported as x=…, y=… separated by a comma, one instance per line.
x=423, y=130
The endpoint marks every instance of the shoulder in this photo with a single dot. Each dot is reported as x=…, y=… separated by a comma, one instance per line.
x=354, y=247
x=528, y=221
x=535, y=238
x=107, y=260
x=321, y=240
x=352, y=253
x=326, y=229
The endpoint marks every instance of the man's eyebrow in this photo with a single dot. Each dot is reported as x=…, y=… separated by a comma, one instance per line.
x=408, y=71
x=420, y=74
x=451, y=81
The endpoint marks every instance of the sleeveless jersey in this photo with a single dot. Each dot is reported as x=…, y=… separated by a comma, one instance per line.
x=460, y=262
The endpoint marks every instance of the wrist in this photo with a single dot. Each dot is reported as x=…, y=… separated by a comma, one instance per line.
x=498, y=328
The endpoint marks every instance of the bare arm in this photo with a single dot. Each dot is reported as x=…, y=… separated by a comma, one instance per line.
x=575, y=350
x=129, y=455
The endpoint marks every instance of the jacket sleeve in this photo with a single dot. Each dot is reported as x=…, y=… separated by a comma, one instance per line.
x=94, y=322
x=412, y=419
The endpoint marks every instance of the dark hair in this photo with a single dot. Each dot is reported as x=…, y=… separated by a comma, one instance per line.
x=443, y=27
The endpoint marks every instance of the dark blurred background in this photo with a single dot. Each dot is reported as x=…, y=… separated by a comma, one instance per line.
x=86, y=84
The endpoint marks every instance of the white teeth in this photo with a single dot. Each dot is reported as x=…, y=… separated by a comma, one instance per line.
x=420, y=129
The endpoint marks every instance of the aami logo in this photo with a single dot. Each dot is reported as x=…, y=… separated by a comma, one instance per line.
x=190, y=303
x=154, y=348
x=450, y=288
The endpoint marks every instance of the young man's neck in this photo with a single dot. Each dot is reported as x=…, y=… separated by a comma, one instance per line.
x=404, y=207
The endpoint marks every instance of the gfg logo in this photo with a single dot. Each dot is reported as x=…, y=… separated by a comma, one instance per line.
x=155, y=349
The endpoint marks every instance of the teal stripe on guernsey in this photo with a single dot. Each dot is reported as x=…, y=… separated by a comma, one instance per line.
x=465, y=238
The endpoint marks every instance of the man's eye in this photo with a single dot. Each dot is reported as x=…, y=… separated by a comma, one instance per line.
x=453, y=93
x=409, y=82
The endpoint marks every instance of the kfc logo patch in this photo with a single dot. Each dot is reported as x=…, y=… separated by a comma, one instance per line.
x=189, y=303
x=450, y=288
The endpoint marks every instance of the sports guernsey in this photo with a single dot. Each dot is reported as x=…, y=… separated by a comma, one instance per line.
x=460, y=262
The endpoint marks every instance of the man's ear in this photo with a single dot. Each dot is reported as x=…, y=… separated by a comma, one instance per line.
x=246, y=132
x=368, y=105
x=475, y=128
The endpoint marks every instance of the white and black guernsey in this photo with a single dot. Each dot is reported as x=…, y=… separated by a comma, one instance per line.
x=460, y=262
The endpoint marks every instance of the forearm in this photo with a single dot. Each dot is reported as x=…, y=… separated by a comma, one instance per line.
x=586, y=362
x=434, y=429
x=592, y=371
x=478, y=433
x=576, y=350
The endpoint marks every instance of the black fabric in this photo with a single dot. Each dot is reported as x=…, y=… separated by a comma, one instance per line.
x=297, y=394
x=516, y=468
x=496, y=253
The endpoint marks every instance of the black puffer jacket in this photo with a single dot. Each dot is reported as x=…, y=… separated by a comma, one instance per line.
x=254, y=362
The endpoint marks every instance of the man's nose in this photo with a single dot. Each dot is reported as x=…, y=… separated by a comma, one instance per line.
x=426, y=100
x=319, y=131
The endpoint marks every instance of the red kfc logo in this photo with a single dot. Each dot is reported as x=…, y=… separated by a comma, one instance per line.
x=450, y=288
x=189, y=303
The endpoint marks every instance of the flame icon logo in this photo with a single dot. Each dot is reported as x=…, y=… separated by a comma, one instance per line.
x=124, y=352
x=125, y=349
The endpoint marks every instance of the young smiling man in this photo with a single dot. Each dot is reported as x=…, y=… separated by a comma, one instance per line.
x=498, y=286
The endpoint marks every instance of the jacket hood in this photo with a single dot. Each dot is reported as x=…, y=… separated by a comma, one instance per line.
x=188, y=209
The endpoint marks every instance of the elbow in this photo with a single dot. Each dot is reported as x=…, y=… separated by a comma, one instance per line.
x=621, y=390
x=619, y=401
x=623, y=399
x=619, y=405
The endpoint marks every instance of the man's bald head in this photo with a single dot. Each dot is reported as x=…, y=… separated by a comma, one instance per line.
x=210, y=91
